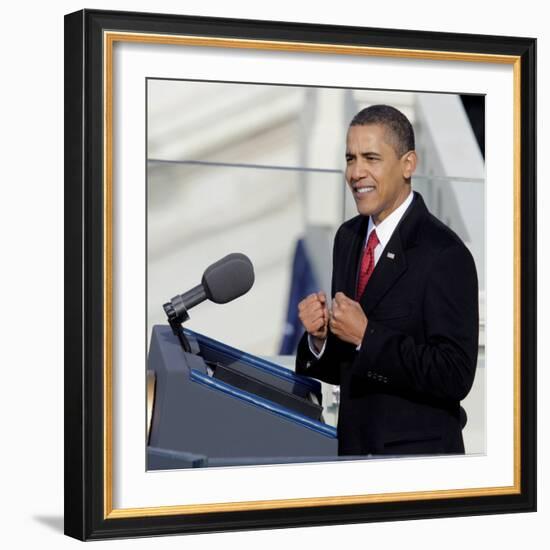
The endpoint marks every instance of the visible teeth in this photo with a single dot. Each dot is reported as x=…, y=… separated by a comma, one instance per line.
x=365, y=189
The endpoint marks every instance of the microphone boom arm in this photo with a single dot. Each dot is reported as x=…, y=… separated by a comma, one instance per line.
x=176, y=311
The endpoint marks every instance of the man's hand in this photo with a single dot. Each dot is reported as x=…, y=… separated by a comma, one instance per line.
x=347, y=320
x=313, y=314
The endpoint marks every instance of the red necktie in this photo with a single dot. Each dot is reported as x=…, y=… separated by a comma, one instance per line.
x=367, y=263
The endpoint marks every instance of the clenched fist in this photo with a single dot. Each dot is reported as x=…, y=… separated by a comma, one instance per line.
x=313, y=314
x=347, y=320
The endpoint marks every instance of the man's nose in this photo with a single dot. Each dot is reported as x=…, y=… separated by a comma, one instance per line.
x=358, y=171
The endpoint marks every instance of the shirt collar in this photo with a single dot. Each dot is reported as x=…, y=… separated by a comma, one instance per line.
x=385, y=229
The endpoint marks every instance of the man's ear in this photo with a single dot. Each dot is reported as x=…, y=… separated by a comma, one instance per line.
x=408, y=161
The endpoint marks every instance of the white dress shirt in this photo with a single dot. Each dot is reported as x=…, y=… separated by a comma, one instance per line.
x=384, y=231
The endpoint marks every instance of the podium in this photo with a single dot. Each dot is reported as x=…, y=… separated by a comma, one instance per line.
x=215, y=405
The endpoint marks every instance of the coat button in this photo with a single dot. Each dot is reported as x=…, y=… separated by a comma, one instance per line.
x=369, y=374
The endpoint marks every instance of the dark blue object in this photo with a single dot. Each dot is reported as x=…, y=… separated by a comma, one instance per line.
x=303, y=283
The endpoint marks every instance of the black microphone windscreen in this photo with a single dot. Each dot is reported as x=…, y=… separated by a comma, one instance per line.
x=228, y=278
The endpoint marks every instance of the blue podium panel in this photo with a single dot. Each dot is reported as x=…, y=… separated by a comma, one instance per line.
x=222, y=404
x=260, y=369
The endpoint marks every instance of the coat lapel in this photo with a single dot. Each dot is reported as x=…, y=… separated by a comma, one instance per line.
x=353, y=258
x=393, y=262
x=391, y=265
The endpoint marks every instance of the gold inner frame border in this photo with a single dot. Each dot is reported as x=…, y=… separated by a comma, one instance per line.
x=109, y=39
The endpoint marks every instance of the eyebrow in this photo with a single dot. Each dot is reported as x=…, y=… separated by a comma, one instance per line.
x=364, y=154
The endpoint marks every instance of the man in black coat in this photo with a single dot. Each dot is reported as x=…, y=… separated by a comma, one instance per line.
x=401, y=334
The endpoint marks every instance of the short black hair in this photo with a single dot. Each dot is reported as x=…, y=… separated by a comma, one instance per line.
x=401, y=131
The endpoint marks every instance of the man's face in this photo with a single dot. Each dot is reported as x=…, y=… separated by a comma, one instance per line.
x=375, y=173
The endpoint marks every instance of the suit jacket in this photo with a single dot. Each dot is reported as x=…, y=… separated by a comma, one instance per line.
x=401, y=393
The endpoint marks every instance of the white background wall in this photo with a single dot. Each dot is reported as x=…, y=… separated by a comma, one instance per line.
x=31, y=408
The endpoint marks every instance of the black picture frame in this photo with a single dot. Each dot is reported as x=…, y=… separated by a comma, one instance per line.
x=88, y=510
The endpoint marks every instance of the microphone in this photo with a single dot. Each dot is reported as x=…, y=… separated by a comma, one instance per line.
x=222, y=282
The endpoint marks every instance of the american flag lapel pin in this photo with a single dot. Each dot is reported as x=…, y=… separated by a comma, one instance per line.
x=391, y=255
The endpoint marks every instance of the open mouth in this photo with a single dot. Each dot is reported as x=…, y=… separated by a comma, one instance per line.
x=362, y=191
